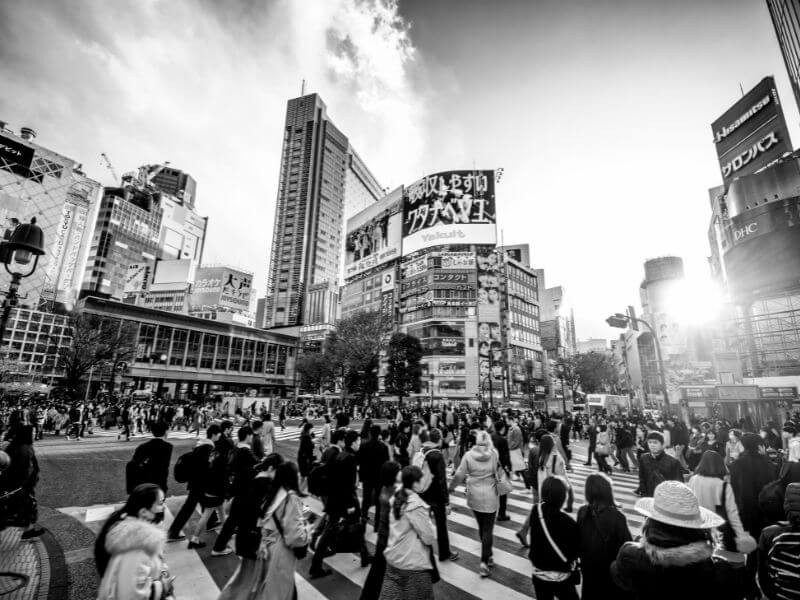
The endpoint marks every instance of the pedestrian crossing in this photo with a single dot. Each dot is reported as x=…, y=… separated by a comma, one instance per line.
x=201, y=576
x=290, y=434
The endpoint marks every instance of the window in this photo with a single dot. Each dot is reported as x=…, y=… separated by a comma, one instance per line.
x=178, y=347
x=193, y=349
x=236, y=354
x=223, y=347
x=207, y=356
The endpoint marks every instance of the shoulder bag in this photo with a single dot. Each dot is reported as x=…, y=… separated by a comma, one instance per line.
x=574, y=577
x=504, y=485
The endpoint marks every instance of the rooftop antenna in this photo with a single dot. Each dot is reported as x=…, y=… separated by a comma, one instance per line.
x=741, y=88
x=303, y=88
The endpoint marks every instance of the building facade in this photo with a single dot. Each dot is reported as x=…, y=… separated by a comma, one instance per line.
x=320, y=176
x=786, y=20
x=38, y=182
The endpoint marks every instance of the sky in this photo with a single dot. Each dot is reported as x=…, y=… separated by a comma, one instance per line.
x=598, y=111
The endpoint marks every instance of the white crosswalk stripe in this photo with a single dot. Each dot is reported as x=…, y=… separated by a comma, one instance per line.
x=510, y=579
x=289, y=434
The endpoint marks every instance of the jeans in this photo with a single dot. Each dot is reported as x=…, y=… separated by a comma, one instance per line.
x=627, y=457
x=602, y=463
x=192, y=500
x=440, y=518
x=485, y=533
x=369, y=498
x=548, y=590
x=229, y=527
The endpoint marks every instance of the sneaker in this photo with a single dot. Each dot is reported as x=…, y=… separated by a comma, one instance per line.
x=490, y=562
x=522, y=540
x=316, y=574
x=193, y=545
x=452, y=558
x=483, y=570
x=176, y=538
x=227, y=550
x=503, y=518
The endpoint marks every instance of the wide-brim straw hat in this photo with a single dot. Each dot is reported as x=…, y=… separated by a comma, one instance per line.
x=675, y=504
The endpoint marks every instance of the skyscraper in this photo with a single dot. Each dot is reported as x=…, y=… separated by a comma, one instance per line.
x=786, y=19
x=321, y=180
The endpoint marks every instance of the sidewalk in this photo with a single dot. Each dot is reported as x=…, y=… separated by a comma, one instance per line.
x=39, y=560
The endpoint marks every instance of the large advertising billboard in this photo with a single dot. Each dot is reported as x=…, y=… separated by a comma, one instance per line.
x=373, y=243
x=220, y=287
x=15, y=157
x=752, y=133
x=452, y=207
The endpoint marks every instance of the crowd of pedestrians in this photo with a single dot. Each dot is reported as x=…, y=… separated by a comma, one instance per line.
x=721, y=526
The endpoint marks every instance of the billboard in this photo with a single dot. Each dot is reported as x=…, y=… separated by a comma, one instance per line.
x=221, y=287
x=137, y=278
x=752, y=133
x=452, y=207
x=374, y=235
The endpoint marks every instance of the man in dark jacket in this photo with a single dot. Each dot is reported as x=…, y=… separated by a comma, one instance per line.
x=657, y=466
x=625, y=446
x=501, y=445
x=751, y=472
x=258, y=441
x=679, y=437
x=241, y=464
x=371, y=456
x=591, y=433
x=343, y=500
x=437, y=495
x=154, y=456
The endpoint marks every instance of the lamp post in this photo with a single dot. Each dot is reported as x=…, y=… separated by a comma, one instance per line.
x=621, y=321
x=432, y=376
x=24, y=241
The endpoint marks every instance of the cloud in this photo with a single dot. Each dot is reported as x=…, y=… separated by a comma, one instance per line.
x=204, y=84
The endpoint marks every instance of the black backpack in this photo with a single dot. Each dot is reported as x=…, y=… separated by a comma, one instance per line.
x=319, y=479
x=136, y=472
x=184, y=467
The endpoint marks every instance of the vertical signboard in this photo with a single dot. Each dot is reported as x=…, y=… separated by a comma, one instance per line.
x=752, y=133
x=58, y=248
x=73, y=250
x=490, y=339
x=453, y=207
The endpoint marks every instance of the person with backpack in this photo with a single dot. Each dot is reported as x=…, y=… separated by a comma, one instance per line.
x=212, y=466
x=749, y=474
x=241, y=464
x=433, y=488
x=551, y=463
x=778, y=548
x=479, y=468
x=531, y=476
x=656, y=466
x=554, y=544
x=150, y=462
x=191, y=468
x=409, y=554
x=602, y=530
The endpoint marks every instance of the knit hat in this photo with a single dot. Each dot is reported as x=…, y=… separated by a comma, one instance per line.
x=674, y=503
x=751, y=442
x=656, y=435
x=791, y=500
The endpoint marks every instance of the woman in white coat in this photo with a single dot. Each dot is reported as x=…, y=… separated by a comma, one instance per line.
x=479, y=468
x=130, y=547
x=714, y=493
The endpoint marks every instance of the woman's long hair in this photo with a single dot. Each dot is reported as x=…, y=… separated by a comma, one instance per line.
x=546, y=446
x=599, y=493
x=711, y=465
x=409, y=476
x=286, y=477
x=144, y=495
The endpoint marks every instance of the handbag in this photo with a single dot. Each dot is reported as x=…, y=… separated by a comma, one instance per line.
x=574, y=568
x=504, y=485
x=347, y=534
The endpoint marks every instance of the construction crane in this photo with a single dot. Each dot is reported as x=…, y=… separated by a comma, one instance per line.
x=110, y=167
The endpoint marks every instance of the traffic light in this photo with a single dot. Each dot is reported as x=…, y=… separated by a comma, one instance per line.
x=618, y=321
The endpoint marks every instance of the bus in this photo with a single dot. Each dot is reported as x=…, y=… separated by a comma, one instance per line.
x=609, y=402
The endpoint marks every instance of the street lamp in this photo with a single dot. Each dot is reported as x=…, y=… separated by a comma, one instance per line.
x=432, y=376
x=25, y=241
x=620, y=321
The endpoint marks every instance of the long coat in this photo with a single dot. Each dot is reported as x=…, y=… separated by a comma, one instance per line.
x=133, y=573
x=749, y=474
x=479, y=468
x=602, y=533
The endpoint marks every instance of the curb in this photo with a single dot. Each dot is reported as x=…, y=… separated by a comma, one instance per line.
x=54, y=565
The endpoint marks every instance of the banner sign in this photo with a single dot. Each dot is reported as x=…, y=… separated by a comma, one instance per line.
x=137, y=278
x=752, y=133
x=15, y=157
x=450, y=277
x=73, y=251
x=452, y=207
x=457, y=260
x=415, y=267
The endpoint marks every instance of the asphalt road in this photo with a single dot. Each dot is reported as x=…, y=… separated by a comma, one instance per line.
x=92, y=471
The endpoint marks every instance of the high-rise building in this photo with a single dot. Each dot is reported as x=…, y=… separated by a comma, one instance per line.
x=37, y=182
x=175, y=183
x=321, y=180
x=786, y=19
x=137, y=225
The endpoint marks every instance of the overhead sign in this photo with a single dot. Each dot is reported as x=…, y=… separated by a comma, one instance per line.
x=752, y=133
x=781, y=393
x=734, y=393
x=15, y=157
x=452, y=207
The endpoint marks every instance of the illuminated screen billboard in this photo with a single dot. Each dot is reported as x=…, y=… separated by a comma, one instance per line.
x=752, y=133
x=372, y=243
x=452, y=207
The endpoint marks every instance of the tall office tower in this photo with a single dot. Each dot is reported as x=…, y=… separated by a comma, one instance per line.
x=321, y=180
x=137, y=224
x=37, y=182
x=175, y=183
x=786, y=19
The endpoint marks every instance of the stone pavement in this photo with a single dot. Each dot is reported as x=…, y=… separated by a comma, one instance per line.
x=31, y=569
